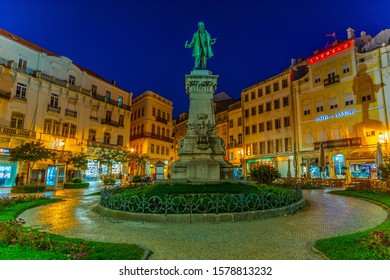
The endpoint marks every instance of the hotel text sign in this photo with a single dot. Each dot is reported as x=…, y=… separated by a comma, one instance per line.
x=337, y=115
x=330, y=52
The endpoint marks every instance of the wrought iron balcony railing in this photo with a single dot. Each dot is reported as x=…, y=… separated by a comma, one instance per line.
x=71, y=113
x=332, y=80
x=7, y=130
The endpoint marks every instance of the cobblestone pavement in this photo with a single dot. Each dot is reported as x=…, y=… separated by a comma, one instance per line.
x=282, y=238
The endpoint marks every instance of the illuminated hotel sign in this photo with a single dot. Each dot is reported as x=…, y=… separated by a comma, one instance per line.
x=337, y=115
x=330, y=52
x=4, y=151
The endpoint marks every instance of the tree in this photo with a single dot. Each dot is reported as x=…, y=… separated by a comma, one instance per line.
x=109, y=157
x=138, y=161
x=79, y=162
x=264, y=174
x=29, y=153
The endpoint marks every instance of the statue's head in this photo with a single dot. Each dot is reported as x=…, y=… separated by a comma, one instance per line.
x=201, y=25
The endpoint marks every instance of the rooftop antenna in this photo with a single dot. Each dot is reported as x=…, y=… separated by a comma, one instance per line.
x=329, y=44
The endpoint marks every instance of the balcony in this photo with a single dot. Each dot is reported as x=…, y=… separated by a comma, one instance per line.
x=151, y=135
x=234, y=144
x=99, y=97
x=93, y=118
x=126, y=107
x=161, y=120
x=53, y=109
x=5, y=94
x=71, y=113
x=101, y=145
x=331, y=80
x=21, y=98
x=6, y=130
x=113, y=102
x=339, y=143
x=110, y=122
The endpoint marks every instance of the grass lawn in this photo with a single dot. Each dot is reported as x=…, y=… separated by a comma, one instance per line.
x=97, y=250
x=372, y=244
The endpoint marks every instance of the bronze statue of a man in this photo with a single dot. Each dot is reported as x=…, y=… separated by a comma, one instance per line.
x=201, y=43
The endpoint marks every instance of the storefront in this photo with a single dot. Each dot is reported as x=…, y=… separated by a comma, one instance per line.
x=92, y=172
x=361, y=164
x=8, y=170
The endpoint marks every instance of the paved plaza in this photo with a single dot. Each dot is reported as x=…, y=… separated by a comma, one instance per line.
x=282, y=238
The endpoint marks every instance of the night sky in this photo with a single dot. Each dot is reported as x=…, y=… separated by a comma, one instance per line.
x=140, y=44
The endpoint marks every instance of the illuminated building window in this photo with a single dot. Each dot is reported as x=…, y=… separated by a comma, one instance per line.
x=268, y=106
x=276, y=86
x=278, y=123
x=259, y=92
x=92, y=135
x=120, y=101
x=72, y=80
x=285, y=101
x=269, y=125
x=248, y=150
x=267, y=89
x=270, y=146
x=253, y=111
x=253, y=95
x=21, y=91
x=261, y=127
x=276, y=104
x=262, y=147
x=107, y=138
x=17, y=120
x=255, y=150
x=254, y=128
x=261, y=108
x=287, y=144
x=286, y=121
x=279, y=147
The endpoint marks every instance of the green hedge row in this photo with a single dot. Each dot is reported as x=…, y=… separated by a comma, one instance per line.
x=76, y=185
x=27, y=189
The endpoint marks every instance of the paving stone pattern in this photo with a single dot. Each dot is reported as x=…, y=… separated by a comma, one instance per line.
x=282, y=238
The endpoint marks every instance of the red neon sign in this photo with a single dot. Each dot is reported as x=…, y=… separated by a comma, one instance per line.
x=330, y=52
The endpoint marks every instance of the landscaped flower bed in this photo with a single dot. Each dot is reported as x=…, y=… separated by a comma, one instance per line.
x=28, y=189
x=76, y=185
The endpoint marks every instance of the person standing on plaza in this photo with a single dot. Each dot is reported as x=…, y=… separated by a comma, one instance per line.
x=201, y=43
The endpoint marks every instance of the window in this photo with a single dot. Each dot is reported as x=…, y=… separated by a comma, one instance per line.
x=72, y=80
x=152, y=148
x=247, y=130
x=253, y=95
x=268, y=106
x=163, y=115
x=279, y=147
x=158, y=113
x=158, y=130
x=270, y=146
x=285, y=101
x=284, y=83
x=306, y=109
x=154, y=112
x=278, y=123
x=317, y=78
x=108, y=96
x=345, y=68
x=261, y=108
x=239, y=121
x=56, y=128
x=320, y=109
x=240, y=139
x=333, y=103
x=248, y=150
x=276, y=86
x=246, y=113
x=92, y=135
x=157, y=149
x=167, y=151
x=94, y=90
x=153, y=129
x=65, y=129
x=366, y=97
x=287, y=144
x=17, y=120
x=276, y=104
x=47, y=126
x=120, y=101
x=230, y=123
x=254, y=128
x=348, y=99
x=94, y=113
x=255, y=149
x=253, y=111
x=142, y=129
x=286, y=121
x=162, y=150
x=269, y=125
x=108, y=116
x=119, y=141
x=22, y=65
x=168, y=133
x=72, y=131
x=163, y=131
x=107, y=138
x=54, y=100
x=21, y=91
x=139, y=113
x=121, y=120
x=261, y=127
x=267, y=89
x=262, y=147
x=370, y=133
x=259, y=92
x=246, y=98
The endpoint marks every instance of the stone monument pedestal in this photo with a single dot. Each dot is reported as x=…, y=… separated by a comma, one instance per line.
x=201, y=152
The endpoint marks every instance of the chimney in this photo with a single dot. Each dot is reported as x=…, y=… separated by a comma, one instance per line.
x=363, y=33
x=293, y=61
x=350, y=33
x=113, y=82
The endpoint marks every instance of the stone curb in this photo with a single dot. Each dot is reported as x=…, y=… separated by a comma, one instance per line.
x=205, y=218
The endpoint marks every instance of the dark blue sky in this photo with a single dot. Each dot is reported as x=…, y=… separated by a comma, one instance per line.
x=140, y=44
